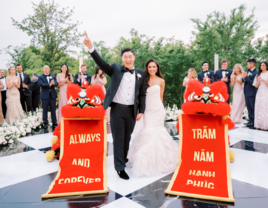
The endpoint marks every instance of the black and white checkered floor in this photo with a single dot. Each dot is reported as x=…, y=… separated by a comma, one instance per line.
x=25, y=175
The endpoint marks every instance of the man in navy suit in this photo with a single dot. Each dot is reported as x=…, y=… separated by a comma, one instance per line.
x=48, y=95
x=206, y=73
x=224, y=75
x=250, y=91
x=82, y=76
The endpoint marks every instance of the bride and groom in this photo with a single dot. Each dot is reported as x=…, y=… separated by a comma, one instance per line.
x=153, y=150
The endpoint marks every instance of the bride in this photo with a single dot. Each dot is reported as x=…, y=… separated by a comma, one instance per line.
x=14, y=109
x=153, y=150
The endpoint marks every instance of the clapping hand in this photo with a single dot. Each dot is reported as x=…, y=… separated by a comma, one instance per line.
x=224, y=79
x=259, y=78
x=24, y=86
x=245, y=74
x=79, y=76
x=87, y=42
x=52, y=82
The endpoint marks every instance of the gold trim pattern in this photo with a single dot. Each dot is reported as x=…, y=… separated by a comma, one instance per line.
x=105, y=188
x=229, y=182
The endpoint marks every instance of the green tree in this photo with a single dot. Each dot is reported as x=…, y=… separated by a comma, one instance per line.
x=51, y=29
x=225, y=35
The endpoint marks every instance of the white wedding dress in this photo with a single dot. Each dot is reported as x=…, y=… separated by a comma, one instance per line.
x=153, y=151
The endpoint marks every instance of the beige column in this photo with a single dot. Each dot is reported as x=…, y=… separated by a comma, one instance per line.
x=80, y=63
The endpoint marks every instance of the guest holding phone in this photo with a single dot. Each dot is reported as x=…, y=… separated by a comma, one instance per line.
x=82, y=76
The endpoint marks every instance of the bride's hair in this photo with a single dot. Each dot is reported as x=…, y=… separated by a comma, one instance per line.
x=9, y=68
x=158, y=73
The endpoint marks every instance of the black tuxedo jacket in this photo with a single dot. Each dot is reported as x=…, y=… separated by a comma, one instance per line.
x=116, y=73
x=46, y=90
x=27, y=81
x=210, y=75
x=35, y=88
x=88, y=78
x=249, y=89
x=218, y=77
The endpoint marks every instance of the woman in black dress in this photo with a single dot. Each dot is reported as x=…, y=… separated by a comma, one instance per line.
x=35, y=89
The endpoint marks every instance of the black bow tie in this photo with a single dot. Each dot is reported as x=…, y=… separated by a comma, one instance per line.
x=129, y=70
x=2, y=77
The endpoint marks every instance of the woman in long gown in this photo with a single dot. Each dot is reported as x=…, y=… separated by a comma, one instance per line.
x=14, y=108
x=153, y=150
x=1, y=112
x=99, y=79
x=261, y=102
x=191, y=76
x=238, y=94
x=64, y=79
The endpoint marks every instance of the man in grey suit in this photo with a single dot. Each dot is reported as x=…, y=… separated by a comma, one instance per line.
x=126, y=97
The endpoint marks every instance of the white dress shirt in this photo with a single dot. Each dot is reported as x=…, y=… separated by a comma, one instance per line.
x=126, y=91
x=22, y=77
x=250, y=71
x=4, y=83
x=223, y=73
x=206, y=73
x=47, y=76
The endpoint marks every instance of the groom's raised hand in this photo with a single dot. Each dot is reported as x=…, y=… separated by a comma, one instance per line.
x=87, y=42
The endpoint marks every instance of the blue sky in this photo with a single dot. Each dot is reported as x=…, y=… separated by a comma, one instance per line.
x=108, y=20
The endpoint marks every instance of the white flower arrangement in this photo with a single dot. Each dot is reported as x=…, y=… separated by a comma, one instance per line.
x=172, y=113
x=10, y=133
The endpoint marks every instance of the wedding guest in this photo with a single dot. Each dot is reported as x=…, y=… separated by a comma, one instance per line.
x=1, y=112
x=224, y=74
x=191, y=76
x=35, y=89
x=25, y=93
x=82, y=76
x=64, y=79
x=250, y=90
x=3, y=92
x=238, y=94
x=206, y=73
x=99, y=78
x=14, y=108
x=48, y=95
x=261, y=103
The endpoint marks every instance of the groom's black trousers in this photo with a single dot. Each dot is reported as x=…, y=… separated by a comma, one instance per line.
x=122, y=125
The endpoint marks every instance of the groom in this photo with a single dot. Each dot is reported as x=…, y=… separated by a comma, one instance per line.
x=126, y=96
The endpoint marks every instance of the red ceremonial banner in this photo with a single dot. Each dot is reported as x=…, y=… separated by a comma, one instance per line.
x=204, y=164
x=82, y=166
